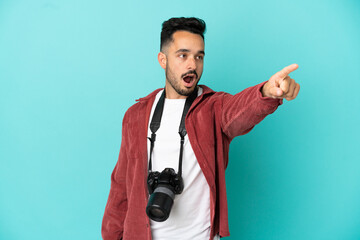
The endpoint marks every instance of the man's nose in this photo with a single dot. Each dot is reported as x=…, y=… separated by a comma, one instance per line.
x=191, y=63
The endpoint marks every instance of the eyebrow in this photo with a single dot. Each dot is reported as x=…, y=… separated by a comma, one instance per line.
x=187, y=50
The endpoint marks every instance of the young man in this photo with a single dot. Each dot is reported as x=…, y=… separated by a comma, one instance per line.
x=190, y=202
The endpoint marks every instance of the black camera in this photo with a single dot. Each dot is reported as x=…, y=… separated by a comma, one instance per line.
x=162, y=189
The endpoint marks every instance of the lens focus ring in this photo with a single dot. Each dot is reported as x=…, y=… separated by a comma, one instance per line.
x=165, y=190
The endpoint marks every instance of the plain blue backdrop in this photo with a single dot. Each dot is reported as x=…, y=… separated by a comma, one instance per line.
x=70, y=69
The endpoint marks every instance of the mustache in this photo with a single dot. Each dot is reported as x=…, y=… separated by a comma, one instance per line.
x=190, y=72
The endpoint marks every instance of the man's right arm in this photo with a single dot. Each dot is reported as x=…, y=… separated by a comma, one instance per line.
x=116, y=207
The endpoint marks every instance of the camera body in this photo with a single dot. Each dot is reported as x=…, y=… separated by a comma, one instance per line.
x=167, y=178
x=162, y=189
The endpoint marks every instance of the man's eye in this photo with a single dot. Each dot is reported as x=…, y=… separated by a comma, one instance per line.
x=200, y=57
x=182, y=55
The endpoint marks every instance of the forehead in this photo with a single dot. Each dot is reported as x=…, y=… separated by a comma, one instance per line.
x=187, y=40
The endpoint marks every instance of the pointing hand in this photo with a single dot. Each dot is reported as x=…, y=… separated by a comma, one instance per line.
x=280, y=85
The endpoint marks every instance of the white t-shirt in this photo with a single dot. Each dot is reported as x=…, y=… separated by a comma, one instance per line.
x=190, y=214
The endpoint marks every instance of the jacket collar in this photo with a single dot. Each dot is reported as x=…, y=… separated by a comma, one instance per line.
x=206, y=90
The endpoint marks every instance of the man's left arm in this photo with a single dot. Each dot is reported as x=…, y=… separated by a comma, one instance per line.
x=242, y=111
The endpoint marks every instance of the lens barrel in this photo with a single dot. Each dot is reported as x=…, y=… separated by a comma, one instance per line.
x=160, y=203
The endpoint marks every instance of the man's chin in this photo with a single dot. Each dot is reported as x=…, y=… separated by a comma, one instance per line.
x=187, y=91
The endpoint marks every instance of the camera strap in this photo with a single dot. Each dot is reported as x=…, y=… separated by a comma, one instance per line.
x=156, y=120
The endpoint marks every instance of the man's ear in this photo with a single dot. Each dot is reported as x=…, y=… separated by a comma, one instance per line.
x=162, y=59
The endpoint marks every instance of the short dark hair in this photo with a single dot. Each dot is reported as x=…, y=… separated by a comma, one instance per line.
x=191, y=24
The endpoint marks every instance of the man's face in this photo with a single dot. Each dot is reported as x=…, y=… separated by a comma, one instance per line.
x=183, y=60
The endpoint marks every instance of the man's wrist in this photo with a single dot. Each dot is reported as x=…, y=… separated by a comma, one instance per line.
x=262, y=90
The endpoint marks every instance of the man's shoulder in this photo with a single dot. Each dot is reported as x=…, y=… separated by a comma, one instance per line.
x=208, y=91
x=209, y=94
x=141, y=103
x=149, y=97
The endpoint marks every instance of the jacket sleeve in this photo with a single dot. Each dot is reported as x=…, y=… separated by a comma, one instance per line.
x=242, y=111
x=116, y=206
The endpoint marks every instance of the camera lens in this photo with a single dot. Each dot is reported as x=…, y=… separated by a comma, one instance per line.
x=160, y=203
x=156, y=212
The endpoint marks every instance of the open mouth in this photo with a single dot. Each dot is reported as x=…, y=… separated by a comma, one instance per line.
x=189, y=79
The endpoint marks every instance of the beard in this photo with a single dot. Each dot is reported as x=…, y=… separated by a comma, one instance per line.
x=176, y=84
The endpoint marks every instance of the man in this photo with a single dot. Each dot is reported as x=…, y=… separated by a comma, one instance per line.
x=199, y=211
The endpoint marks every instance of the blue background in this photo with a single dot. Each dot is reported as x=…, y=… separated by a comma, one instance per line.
x=70, y=69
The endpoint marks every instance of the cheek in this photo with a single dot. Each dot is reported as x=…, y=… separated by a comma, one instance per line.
x=173, y=69
x=200, y=67
x=177, y=68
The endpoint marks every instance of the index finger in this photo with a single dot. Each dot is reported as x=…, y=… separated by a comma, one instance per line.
x=287, y=70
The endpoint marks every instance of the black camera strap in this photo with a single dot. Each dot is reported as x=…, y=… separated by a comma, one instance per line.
x=156, y=120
